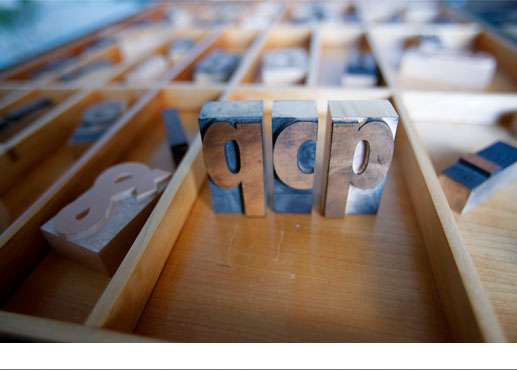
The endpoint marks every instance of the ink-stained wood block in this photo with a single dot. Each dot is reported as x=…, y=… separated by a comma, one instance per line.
x=295, y=132
x=53, y=66
x=149, y=70
x=449, y=67
x=98, y=228
x=232, y=137
x=14, y=120
x=95, y=70
x=179, y=48
x=285, y=66
x=358, y=153
x=95, y=121
x=175, y=134
x=361, y=70
x=475, y=177
x=217, y=66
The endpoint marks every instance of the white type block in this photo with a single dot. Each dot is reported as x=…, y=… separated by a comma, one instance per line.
x=98, y=228
x=179, y=48
x=149, y=70
x=284, y=66
x=133, y=44
x=447, y=67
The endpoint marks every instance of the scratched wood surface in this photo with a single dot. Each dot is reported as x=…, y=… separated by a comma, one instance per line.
x=490, y=228
x=298, y=278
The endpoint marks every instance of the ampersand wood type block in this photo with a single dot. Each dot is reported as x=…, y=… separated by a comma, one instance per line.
x=475, y=177
x=295, y=132
x=358, y=152
x=232, y=137
x=98, y=228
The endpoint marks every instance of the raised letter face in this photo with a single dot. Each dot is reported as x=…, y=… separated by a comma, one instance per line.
x=232, y=148
x=295, y=131
x=361, y=148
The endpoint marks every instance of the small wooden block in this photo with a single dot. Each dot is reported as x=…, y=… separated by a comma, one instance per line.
x=23, y=112
x=217, y=66
x=99, y=68
x=361, y=70
x=98, y=228
x=179, y=48
x=232, y=137
x=295, y=132
x=175, y=134
x=96, y=120
x=284, y=66
x=53, y=66
x=358, y=154
x=475, y=177
x=149, y=70
x=448, y=67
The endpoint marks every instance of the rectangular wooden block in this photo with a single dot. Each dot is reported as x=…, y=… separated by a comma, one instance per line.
x=175, y=134
x=449, y=67
x=149, y=70
x=295, y=132
x=358, y=152
x=475, y=177
x=232, y=137
x=361, y=70
x=217, y=66
x=98, y=228
x=285, y=66
x=179, y=48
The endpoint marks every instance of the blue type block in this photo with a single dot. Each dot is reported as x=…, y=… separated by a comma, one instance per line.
x=465, y=173
x=233, y=112
x=286, y=113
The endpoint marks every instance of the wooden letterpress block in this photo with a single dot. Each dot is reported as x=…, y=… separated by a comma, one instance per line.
x=361, y=70
x=179, y=48
x=175, y=134
x=448, y=67
x=358, y=153
x=475, y=177
x=295, y=132
x=233, y=151
x=17, y=118
x=218, y=66
x=149, y=70
x=98, y=228
x=284, y=66
x=95, y=121
x=53, y=66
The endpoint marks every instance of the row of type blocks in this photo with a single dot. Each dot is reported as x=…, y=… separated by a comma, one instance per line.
x=359, y=146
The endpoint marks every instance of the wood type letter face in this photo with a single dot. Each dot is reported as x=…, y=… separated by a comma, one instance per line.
x=98, y=228
x=358, y=153
x=233, y=150
x=295, y=132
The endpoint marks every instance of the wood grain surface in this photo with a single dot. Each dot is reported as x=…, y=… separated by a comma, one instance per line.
x=298, y=278
x=490, y=228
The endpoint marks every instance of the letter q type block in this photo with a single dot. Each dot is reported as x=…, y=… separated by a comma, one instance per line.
x=359, y=149
x=295, y=131
x=234, y=157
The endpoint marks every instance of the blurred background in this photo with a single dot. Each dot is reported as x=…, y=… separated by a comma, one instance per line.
x=30, y=27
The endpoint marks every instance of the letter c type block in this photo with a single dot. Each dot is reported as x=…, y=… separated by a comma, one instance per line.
x=359, y=149
x=295, y=131
x=232, y=137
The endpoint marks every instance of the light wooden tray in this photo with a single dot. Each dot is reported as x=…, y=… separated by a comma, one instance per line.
x=414, y=272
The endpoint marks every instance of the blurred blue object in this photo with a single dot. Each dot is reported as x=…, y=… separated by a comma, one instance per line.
x=31, y=27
